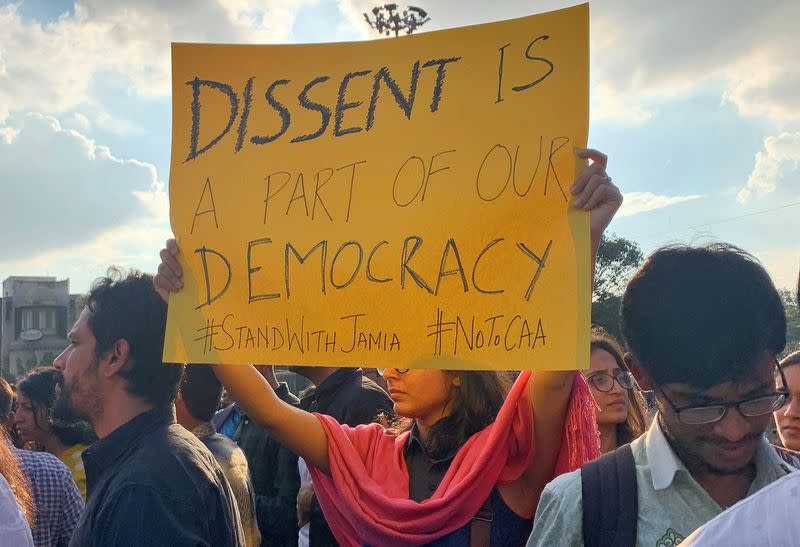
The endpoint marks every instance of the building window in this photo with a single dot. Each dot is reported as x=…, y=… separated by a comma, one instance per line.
x=39, y=318
x=27, y=318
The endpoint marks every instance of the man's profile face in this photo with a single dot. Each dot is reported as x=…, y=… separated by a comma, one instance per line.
x=725, y=447
x=80, y=365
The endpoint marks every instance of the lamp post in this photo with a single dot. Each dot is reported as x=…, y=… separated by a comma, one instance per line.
x=387, y=19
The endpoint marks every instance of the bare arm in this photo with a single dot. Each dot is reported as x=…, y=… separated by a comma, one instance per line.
x=549, y=392
x=299, y=430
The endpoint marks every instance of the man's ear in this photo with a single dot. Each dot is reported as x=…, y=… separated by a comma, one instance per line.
x=641, y=375
x=117, y=358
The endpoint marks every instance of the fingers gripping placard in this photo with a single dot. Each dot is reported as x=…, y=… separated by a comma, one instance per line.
x=400, y=201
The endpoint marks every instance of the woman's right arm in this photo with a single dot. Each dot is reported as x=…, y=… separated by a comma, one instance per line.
x=299, y=430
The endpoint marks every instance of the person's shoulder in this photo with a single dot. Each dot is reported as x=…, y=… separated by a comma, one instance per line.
x=788, y=456
x=566, y=485
x=559, y=515
x=41, y=463
x=222, y=447
x=564, y=494
x=772, y=508
x=169, y=452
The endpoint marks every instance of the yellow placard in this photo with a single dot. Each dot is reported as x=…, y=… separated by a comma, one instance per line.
x=398, y=202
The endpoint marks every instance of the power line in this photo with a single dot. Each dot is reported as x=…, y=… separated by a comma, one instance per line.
x=746, y=215
x=728, y=219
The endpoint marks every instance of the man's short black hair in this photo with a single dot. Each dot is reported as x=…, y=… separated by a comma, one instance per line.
x=128, y=307
x=701, y=315
x=6, y=401
x=201, y=391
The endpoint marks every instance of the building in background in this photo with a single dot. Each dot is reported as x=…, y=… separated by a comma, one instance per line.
x=37, y=313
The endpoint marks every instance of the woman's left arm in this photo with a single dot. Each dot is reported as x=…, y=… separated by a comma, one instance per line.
x=549, y=392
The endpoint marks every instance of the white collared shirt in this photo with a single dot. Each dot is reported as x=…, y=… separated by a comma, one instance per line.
x=671, y=503
x=768, y=518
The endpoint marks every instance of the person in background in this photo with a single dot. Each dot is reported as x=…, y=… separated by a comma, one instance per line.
x=703, y=326
x=620, y=407
x=198, y=398
x=351, y=398
x=375, y=376
x=768, y=518
x=58, y=503
x=303, y=503
x=274, y=483
x=149, y=481
x=787, y=418
x=8, y=423
x=16, y=503
x=65, y=437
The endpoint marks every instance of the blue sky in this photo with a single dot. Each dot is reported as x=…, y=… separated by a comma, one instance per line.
x=696, y=105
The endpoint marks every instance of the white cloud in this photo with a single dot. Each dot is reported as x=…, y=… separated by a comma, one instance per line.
x=664, y=49
x=67, y=189
x=643, y=51
x=81, y=121
x=50, y=68
x=642, y=202
x=778, y=150
x=134, y=245
x=783, y=265
x=646, y=51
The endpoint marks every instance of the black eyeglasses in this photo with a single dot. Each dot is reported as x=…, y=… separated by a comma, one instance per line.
x=749, y=408
x=399, y=370
x=603, y=381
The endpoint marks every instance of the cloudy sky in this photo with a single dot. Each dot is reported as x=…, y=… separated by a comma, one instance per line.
x=696, y=103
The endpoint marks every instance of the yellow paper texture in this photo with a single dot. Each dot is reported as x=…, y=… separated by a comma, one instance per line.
x=398, y=202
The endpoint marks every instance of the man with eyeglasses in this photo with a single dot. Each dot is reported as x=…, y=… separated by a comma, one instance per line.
x=703, y=326
x=768, y=518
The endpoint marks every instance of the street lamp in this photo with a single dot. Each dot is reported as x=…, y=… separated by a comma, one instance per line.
x=388, y=19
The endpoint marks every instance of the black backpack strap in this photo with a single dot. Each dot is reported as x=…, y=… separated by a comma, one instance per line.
x=610, y=500
x=481, y=526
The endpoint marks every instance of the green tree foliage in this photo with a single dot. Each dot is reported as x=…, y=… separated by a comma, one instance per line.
x=617, y=259
x=792, y=320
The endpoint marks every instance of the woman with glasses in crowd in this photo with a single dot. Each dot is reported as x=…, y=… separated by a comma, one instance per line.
x=787, y=417
x=470, y=459
x=621, y=409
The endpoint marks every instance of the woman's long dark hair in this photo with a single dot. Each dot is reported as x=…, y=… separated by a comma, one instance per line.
x=635, y=424
x=475, y=405
x=11, y=471
x=39, y=386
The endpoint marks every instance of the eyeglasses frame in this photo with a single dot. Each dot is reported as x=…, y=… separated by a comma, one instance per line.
x=614, y=378
x=398, y=370
x=784, y=392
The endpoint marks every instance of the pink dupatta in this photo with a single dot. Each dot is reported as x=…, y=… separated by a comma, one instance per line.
x=365, y=497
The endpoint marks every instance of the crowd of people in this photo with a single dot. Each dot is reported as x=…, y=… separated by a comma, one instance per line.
x=660, y=442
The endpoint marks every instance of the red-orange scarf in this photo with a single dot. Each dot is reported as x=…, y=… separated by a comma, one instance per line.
x=365, y=497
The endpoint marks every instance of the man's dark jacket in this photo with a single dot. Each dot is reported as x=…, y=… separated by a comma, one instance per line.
x=151, y=482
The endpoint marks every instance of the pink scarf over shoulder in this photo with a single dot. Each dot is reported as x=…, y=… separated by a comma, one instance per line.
x=365, y=497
